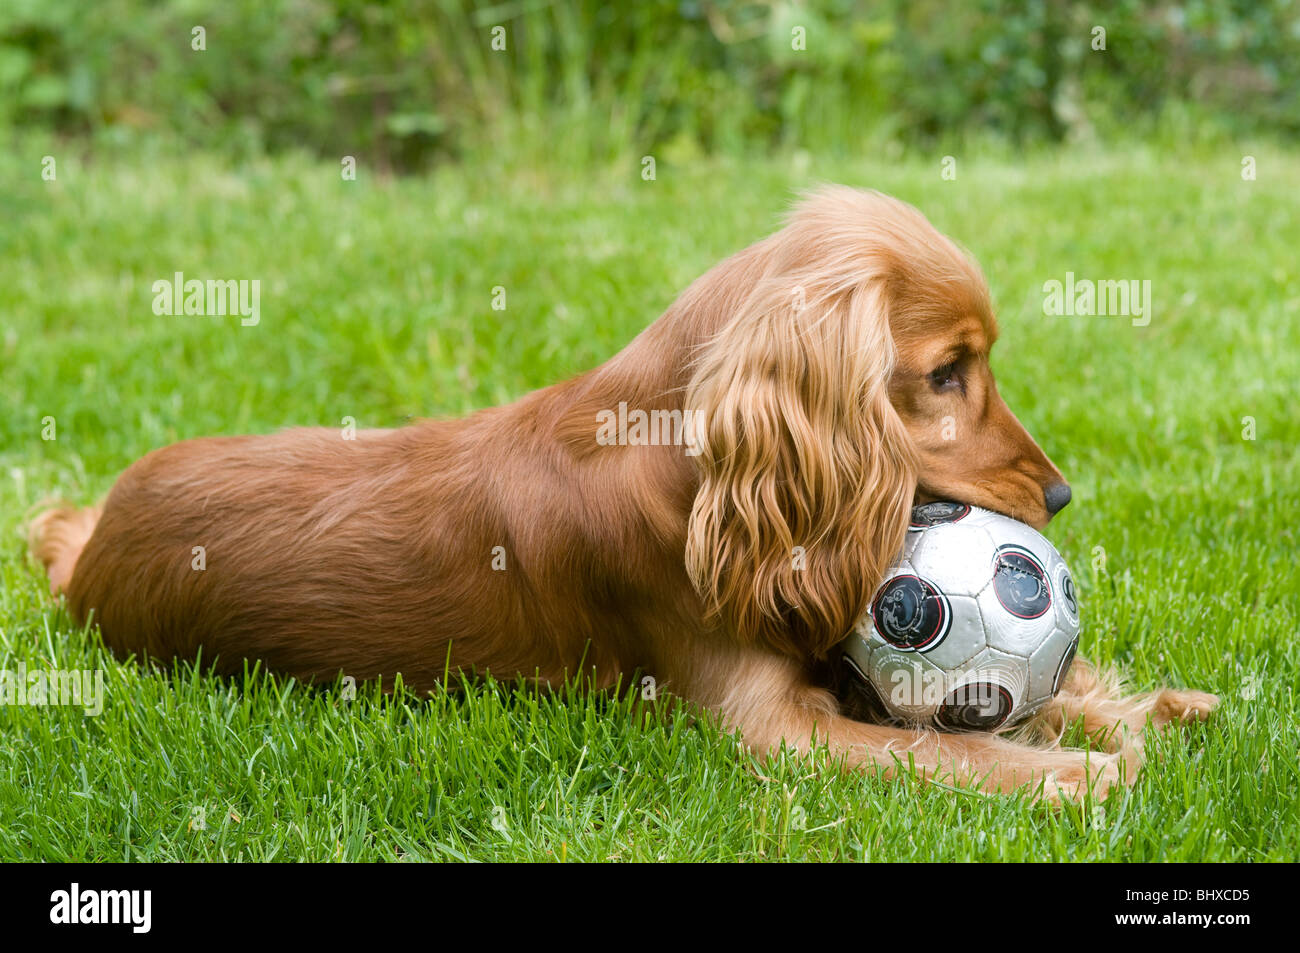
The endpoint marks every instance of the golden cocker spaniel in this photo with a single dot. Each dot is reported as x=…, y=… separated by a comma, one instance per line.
x=799, y=397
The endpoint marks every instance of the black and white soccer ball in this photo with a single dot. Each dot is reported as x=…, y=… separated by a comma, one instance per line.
x=974, y=628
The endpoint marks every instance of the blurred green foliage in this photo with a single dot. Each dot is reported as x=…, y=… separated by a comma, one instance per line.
x=409, y=82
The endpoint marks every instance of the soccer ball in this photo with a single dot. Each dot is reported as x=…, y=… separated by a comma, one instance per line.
x=974, y=628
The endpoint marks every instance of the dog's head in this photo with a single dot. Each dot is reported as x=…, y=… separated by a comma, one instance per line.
x=969, y=445
x=851, y=381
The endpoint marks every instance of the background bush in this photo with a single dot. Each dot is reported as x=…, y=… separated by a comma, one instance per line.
x=410, y=82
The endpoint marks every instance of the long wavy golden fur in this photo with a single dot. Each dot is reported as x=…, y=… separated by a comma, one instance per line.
x=807, y=392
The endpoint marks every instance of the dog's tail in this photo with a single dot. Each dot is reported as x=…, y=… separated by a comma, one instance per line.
x=56, y=538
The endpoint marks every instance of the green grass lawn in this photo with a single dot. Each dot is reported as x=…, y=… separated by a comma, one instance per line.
x=376, y=304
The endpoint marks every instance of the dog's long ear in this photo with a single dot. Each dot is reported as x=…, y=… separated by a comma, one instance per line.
x=806, y=471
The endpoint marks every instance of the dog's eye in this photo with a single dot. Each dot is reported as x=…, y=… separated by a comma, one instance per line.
x=944, y=378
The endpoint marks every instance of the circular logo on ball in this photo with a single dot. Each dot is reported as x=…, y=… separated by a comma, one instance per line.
x=979, y=706
x=932, y=514
x=911, y=614
x=1064, y=667
x=1021, y=582
x=1067, y=593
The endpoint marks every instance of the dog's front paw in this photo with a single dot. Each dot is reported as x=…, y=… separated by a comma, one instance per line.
x=1176, y=705
x=1092, y=773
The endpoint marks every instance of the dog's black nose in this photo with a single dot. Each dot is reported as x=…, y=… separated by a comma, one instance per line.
x=1056, y=497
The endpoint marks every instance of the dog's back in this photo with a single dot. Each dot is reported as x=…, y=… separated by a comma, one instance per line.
x=413, y=550
x=307, y=551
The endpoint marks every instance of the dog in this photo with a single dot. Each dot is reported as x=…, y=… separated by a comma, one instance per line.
x=801, y=397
